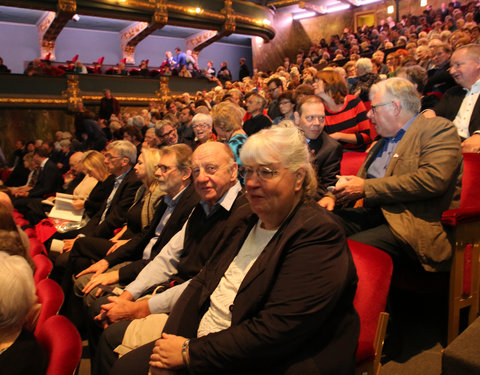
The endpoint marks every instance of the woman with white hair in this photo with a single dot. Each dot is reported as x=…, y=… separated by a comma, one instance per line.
x=278, y=298
x=202, y=127
x=19, y=351
x=365, y=79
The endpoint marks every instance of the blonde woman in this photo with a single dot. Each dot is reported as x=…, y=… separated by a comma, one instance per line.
x=93, y=164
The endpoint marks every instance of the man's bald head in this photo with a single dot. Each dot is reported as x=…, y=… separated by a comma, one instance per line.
x=6, y=201
x=76, y=162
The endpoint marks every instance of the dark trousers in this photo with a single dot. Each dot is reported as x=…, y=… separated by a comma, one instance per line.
x=135, y=362
x=368, y=226
x=105, y=357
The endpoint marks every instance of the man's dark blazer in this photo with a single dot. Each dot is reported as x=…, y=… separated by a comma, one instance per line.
x=117, y=212
x=134, y=248
x=327, y=154
x=450, y=104
x=293, y=312
x=48, y=182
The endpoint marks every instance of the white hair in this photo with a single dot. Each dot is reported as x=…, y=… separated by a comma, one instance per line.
x=18, y=294
x=284, y=145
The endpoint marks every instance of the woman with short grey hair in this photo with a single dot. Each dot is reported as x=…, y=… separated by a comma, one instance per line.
x=202, y=127
x=19, y=351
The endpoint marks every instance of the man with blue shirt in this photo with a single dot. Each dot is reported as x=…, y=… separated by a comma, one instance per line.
x=181, y=59
x=407, y=180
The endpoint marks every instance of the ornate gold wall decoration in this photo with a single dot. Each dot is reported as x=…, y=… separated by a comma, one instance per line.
x=72, y=93
x=164, y=90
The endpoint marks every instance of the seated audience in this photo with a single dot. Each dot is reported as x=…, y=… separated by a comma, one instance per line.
x=138, y=216
x=407, y=180
x=222, y=209
x=174, y=177
x=279, y=296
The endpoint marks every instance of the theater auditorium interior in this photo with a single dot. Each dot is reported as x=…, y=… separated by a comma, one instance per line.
x=121, y=119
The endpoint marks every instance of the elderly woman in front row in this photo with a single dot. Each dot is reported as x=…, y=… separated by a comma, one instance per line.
x=19, y=351
x=278, y=297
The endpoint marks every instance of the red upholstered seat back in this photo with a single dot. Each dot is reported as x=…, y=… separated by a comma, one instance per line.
x=43, y=267
x=470, y=181
x=36, y=247
x=351, y=163
x=61, y=341
x=374, y=270
x=50, y=295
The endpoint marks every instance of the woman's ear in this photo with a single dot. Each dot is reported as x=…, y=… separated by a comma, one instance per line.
x=299, y=178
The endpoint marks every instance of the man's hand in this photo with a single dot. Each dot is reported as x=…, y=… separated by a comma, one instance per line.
x=78, y=204
x=349, y=189
x=99, y=267
x=104, y=279
x=121, y=309
x=116, y=245
x=68, y=244
x=471, y=144
x=167, y=352
x=327, y=203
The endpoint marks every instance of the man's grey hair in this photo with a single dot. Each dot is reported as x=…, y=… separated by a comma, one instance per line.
x=125, y=149
x=398, y=89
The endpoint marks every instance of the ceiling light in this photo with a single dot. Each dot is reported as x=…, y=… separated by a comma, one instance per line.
x=337, y=8
x=390, y=9
x=302, y=15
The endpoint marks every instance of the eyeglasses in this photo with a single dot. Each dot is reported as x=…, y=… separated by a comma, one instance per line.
x=167, y=133
x=374, y=107
x=201, y=125
x=111, y=157
x=273, y=89
x=263, y=173
x=163, y=168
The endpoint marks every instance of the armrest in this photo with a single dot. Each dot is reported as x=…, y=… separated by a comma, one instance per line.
x=456, y=216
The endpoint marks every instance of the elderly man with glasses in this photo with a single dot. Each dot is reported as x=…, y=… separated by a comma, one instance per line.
x=407, y=180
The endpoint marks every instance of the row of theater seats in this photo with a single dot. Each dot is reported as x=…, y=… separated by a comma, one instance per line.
x=374, y=269
x=55, y=333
